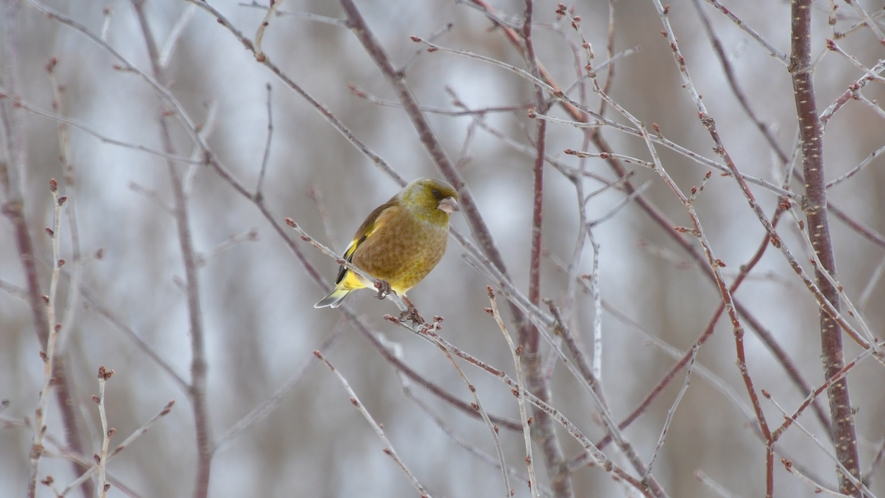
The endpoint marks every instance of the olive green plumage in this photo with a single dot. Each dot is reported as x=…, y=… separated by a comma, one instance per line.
x=400, y=242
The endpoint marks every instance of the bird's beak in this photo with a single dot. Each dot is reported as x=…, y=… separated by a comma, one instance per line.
x=448, y=205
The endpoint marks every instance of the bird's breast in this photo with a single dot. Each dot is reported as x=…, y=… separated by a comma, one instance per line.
x=402, y=251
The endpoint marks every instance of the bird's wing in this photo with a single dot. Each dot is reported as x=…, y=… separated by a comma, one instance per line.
x=373, y=222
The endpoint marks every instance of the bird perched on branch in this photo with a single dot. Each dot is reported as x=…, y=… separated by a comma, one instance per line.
x=400, y=242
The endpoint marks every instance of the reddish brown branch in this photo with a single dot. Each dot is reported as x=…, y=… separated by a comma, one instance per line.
x=811, y=139
x=529, y=337
x=197, y=388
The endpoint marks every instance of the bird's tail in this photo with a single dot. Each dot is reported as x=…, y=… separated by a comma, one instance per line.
x=333, y=300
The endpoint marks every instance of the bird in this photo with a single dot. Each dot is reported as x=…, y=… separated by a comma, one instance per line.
x=399, y=243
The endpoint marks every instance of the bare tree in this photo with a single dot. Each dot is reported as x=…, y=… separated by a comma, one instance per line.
x=665, y=278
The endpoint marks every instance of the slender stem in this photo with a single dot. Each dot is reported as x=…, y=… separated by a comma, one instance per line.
x=523, y=413
x=47, y=355
x=388, y=446
x=106, y=432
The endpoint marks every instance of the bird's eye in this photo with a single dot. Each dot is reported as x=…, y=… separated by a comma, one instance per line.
x=436, y=193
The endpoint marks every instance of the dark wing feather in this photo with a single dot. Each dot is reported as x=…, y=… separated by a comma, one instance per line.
x=362, y=233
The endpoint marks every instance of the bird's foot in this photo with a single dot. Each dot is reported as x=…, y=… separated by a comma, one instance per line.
x=383, y=288
x=411, y=313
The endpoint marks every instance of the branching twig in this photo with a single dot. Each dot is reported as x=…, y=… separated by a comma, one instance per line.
x=122, y=446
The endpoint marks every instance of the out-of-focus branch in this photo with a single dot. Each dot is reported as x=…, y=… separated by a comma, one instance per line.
x=388, y=448
x=529, y=338
x=13, y=171
x=732, y=82
x=272, y=402
x=197, y=387
x=62, y=120
x=516, y=352
x=811, y=139
x=12, y=180
x=777, y=54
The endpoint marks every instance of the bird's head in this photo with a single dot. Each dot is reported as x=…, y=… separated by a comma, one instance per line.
x=430, y=199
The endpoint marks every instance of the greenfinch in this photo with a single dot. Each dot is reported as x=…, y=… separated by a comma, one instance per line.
x=400, y=242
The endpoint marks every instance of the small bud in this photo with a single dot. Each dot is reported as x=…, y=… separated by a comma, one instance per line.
x=167, y=408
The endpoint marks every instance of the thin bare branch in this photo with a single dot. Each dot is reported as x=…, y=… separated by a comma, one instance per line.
x=388, y=447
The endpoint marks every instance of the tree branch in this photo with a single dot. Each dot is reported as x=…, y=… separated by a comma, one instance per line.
x=811, y=139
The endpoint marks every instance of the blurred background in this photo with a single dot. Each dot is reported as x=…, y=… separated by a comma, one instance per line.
x=256, y=298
